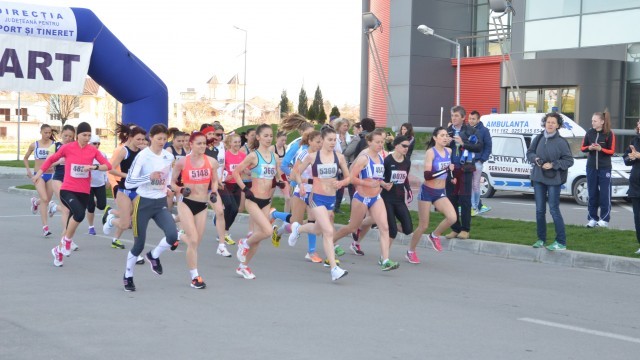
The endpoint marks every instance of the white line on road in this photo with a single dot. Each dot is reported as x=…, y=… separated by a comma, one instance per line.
x=582, y=330
x=516, y=203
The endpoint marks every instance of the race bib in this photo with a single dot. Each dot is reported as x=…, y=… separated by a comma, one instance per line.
x=444, y=165
x=200, y=174
x=398, y=176
x=232, y=167
x=42, y=153
x=159, y=184
x=327, y=171
x=268, y=171
x=378, y=171
x=77, y=171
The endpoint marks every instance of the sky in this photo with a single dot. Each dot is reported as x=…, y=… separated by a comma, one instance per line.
x=290, y=43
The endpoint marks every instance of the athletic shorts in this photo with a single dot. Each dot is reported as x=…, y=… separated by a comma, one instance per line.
x=130, y=193
x=45, y=177
x=317, y=200
x=431, y=195
x=369, y=201
x=196, y=207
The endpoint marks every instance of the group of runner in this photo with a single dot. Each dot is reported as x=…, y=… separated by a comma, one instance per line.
x=209, y=168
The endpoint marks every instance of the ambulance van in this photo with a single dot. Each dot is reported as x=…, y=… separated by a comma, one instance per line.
x=508, y=168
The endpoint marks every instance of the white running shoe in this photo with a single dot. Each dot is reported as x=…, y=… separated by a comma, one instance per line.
x=107, y=228
x=603, y=224
x=243, y=249
x=222, y=251
x=74, y=246
x=337, y=273
x=65, y=247
x=52, y=208
x=245, y=273
x=592, y=224
x=34, y=205
x=295, y=235
x=58, y=260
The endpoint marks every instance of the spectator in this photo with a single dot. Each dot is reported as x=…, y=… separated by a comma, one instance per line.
x=458, y=186
x=551, y=158
x=480, y=158
x=406, y=129
x=632, y=158
x=599, y=142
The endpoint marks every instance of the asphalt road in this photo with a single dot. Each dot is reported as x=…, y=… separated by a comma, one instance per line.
x=455, y=305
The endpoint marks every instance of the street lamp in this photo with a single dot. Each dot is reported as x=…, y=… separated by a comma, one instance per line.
x=244, y=89
x=429, y=31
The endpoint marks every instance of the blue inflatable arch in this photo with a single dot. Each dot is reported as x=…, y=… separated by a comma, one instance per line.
x=144, y=96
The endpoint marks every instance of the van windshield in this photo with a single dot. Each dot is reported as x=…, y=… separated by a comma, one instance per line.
x=575, y=144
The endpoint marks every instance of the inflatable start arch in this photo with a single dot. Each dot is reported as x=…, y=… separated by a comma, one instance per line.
x=144, y=96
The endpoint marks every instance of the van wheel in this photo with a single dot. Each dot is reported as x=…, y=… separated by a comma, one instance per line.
x=580, y=192
x=486, y=190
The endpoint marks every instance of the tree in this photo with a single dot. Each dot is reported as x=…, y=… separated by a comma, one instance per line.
x=61, y=107
x=284, y=103
x=196, y=113
x=322, y=117
x=302, y=102
x=334, y=112
x=317, y=105
x=311, y=114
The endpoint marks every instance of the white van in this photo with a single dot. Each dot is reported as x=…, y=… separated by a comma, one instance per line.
x=509, y=169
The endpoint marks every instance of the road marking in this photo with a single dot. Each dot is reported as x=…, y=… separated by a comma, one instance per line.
x=516, y=203
x=626, y=207
x=582, y=330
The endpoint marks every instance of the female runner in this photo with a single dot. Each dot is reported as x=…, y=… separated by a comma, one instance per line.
x=324, y=167
x=198, y=174
x=263, y=165
x=280, y=149
x=231, y=195
x=74, y=193
x=67, y=136
x=367, y=175
x=40, y=150
x=436, y=165
x=98, y=195
x=149, y=175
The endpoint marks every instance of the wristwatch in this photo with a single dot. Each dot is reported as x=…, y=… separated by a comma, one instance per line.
x=96, y=167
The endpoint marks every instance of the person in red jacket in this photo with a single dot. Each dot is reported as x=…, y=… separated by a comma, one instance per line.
x=76, y=188
x=599, y=142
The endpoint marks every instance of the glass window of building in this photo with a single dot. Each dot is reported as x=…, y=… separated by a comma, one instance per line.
x=513, y=101
x=590, y=6
x=568, y=102
x=562, y=33
x=531, y=101
x=617, y=27
x=544, y=9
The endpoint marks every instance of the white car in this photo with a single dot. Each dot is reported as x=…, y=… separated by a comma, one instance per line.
x=509, y=169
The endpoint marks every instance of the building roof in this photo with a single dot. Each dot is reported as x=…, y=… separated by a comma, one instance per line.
x=91, y=87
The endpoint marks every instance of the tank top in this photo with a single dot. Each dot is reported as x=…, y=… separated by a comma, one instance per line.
x=40, y=153
x=373, y=170
x=178, y=155
x=300, y=155
x=125, y=164
x=283, y=152
x=440, y=162
x=231, y=162
x=193, y=175
x=264, y=170
x=396, y=173
x=58, y=170
x=325, y=171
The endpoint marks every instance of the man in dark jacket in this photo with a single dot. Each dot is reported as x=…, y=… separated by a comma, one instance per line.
x=632, y=158
x=479, y=159
x=459, y=186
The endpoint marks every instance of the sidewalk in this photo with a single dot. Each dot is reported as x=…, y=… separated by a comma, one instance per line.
x=566, y=258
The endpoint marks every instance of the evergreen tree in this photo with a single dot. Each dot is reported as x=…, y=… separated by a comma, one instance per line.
x=312, y=114
x=334, y=112
x=317, y=103
x=322, y=117
x=302, y=103
x=284, y=103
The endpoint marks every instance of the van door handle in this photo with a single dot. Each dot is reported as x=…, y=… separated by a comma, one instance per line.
x=491, y=161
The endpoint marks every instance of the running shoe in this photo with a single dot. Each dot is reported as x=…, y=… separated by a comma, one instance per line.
x=245, y=273
x=637, y=252
x=474, y=212
x=58, y=260
x=107, y=227
x=538, y=244
x=337, y=273
x=140, y=260
x=177, y=242
x=105, y=214
x=295, y=235
x=52, y=208
x=45, y=231
x=313, y=257
x=389, y=265
x=484, y=209
x=275, y=238
x=92, y=230
x=117, y=244
x=156, y=267
x=222, y=251
x=603, y=224
x=356, y=235
x=556, y=246
x=228, y=240
x=338, y=250
x=326, y=263
x=34, y=205
x=74, y=246
x=411, y=257
x=380, y=261
x=65, y=247
x=435, y=242
x=592, y=224
x=355, y=248
x=128, y=283
x=197, y=283
x=243, y=249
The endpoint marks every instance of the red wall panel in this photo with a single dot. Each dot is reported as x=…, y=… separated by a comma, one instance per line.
x=377, y=108
x=480, y=83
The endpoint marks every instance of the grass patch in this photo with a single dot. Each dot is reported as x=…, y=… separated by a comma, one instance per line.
x=16, y=163
x=579, y=238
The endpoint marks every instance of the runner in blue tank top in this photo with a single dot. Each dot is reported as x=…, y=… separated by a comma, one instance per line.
x=41, y=150
x=437, y=164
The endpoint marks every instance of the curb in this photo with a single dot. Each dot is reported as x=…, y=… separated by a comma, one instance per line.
x=568, y=258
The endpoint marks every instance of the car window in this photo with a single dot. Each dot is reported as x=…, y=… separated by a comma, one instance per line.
x=576, y=144
x=507, y=146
